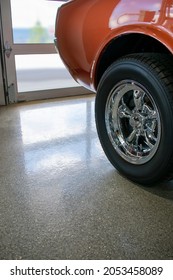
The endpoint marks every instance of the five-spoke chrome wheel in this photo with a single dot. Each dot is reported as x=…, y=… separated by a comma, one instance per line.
x=133, y=122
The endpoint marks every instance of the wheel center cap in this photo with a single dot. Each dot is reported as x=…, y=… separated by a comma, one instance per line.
x=136, y=121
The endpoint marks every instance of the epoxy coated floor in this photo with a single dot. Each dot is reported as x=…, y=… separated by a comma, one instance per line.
x=60, y=198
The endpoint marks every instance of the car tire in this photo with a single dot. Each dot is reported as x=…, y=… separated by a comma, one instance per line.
x=134, y=117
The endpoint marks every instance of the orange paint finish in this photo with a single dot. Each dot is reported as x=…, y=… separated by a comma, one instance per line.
x=85, y=28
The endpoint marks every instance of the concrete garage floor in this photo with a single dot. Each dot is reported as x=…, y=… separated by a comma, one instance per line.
x=60, y=198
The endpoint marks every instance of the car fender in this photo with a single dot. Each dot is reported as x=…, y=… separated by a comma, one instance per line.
x=159, y=33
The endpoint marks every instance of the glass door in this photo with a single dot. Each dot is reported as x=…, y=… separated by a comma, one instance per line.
x=34, y=69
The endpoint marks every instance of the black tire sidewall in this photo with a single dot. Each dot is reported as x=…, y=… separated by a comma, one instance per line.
x=154, y=169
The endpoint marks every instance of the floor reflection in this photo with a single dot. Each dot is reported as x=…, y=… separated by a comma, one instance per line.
x=59, y=135
x=53, y=122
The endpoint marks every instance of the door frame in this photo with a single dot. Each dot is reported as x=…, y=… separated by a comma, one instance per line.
x=3, y=78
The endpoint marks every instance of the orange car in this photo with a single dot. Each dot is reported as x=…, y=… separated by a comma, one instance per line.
x=122, y=50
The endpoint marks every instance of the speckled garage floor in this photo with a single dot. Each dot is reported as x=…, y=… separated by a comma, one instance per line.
x=60, y=198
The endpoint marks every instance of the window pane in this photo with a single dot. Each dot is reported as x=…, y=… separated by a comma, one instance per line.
x=33, y=21
x=41, y=72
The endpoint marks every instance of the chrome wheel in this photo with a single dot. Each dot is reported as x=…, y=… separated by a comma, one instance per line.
x=133, y=122
x=134, y=116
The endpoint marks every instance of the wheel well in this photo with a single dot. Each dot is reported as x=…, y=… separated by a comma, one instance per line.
x=123, y=45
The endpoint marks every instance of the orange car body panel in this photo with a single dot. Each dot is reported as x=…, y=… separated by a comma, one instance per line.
x=85, y=27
